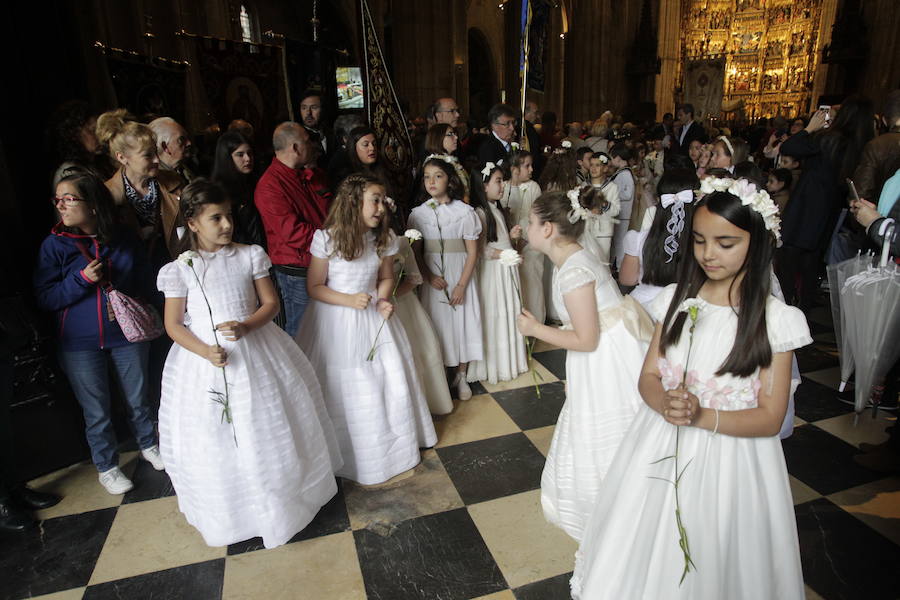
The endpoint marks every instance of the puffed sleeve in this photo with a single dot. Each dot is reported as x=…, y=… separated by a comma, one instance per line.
x=787, y=326
x=413, y=222
x=573, y=278
x=632, y=243
x=320, y=246
x=170, y=281
x=471, y=227
x=259, y=262
x=660, y=305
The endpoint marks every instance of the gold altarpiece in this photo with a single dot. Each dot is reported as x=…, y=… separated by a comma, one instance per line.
x=771, y=51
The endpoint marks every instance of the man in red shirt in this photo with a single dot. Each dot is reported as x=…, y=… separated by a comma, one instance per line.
x=293, y=201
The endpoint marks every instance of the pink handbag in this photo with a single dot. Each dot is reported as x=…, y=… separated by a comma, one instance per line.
x=139, y=322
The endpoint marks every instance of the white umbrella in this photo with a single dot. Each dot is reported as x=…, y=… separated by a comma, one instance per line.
x=870, y=317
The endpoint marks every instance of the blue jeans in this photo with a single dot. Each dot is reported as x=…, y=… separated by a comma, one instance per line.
x=294, y=298
x=88, y=373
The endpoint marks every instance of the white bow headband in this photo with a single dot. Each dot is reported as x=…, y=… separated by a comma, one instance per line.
x=675, y=225
x=488, y=167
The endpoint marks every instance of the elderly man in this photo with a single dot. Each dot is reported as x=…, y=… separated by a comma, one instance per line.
x=533, y=138
x=498, y=145
x=172, y=146
x=293, y=201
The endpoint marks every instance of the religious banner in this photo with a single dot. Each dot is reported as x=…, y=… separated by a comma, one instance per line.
x=538, y=33
x=148, y=87
x=384, y=113
x=242, y=81
x=703, y=81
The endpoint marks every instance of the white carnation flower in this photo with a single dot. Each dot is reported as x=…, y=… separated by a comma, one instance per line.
x=510, y=258
x=413, y=235
x=566, y=144
x=187, y=257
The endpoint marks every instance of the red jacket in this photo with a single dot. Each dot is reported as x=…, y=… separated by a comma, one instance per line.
x=293, y=205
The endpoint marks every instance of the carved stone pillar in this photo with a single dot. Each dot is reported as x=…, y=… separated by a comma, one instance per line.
x=669, y=55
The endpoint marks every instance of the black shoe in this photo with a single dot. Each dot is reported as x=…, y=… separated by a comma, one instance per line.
x=14, y=520
x=32, y=499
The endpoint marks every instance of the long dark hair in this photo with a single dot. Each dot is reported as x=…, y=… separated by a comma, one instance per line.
x=478, y=199
x=657, y=271
x=97, y=198
x=356, y=165
x=751, y=348
x=455, y=187
x=224, y=172
x=853, y=127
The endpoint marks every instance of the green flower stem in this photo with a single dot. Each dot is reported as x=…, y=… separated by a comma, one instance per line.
x=529, y=347
x=217, y=397
x=371, y=356
x=682, y=532
x=441, y=266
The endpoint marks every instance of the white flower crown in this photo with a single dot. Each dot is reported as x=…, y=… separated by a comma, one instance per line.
x=578, y=212
x=758, y=200
x=444, y=157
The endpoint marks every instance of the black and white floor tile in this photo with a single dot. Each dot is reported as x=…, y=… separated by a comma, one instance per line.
x=465, y=524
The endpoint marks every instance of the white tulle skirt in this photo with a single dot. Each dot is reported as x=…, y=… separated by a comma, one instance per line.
x=735, y=506
x=601, y=401
x=273, y=480
x=504, y=346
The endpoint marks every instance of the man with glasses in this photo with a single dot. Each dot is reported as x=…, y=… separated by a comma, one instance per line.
x=498, y=145
x=444, y=110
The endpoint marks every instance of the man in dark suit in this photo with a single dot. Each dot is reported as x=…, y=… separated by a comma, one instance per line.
x=690, y=129
x=498, y=145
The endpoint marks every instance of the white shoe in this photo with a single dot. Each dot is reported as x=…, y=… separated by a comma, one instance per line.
x=152, y=456
x=115, y=481
x=464, y=392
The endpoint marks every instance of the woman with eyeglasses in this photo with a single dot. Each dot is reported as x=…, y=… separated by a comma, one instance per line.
x=442, y=139
x=87, y=252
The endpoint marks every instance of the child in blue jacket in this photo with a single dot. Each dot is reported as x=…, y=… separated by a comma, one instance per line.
x=86, y=251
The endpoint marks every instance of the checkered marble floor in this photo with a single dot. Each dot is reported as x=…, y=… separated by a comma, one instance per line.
x=465, y=524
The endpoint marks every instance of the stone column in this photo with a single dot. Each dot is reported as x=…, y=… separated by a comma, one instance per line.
x=669, y=54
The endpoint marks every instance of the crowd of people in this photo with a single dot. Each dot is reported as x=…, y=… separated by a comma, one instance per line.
x=628, y=245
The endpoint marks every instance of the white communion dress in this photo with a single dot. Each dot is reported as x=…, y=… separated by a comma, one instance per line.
x=521, y=198
x=734, y=493
x=458, y=327
x=270, y=474
x=602, y=395
x=498, y=290
x=378, y=408
x=426, y=347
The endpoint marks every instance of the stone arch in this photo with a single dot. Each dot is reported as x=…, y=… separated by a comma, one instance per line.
x=483, y=89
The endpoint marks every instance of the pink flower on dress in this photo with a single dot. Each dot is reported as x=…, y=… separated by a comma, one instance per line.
x=672, y=375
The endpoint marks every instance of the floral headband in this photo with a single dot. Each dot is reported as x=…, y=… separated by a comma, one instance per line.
x=746, y=191
x=727, y=143
x=444, y=157
x=578, y=212
x=488, y=168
